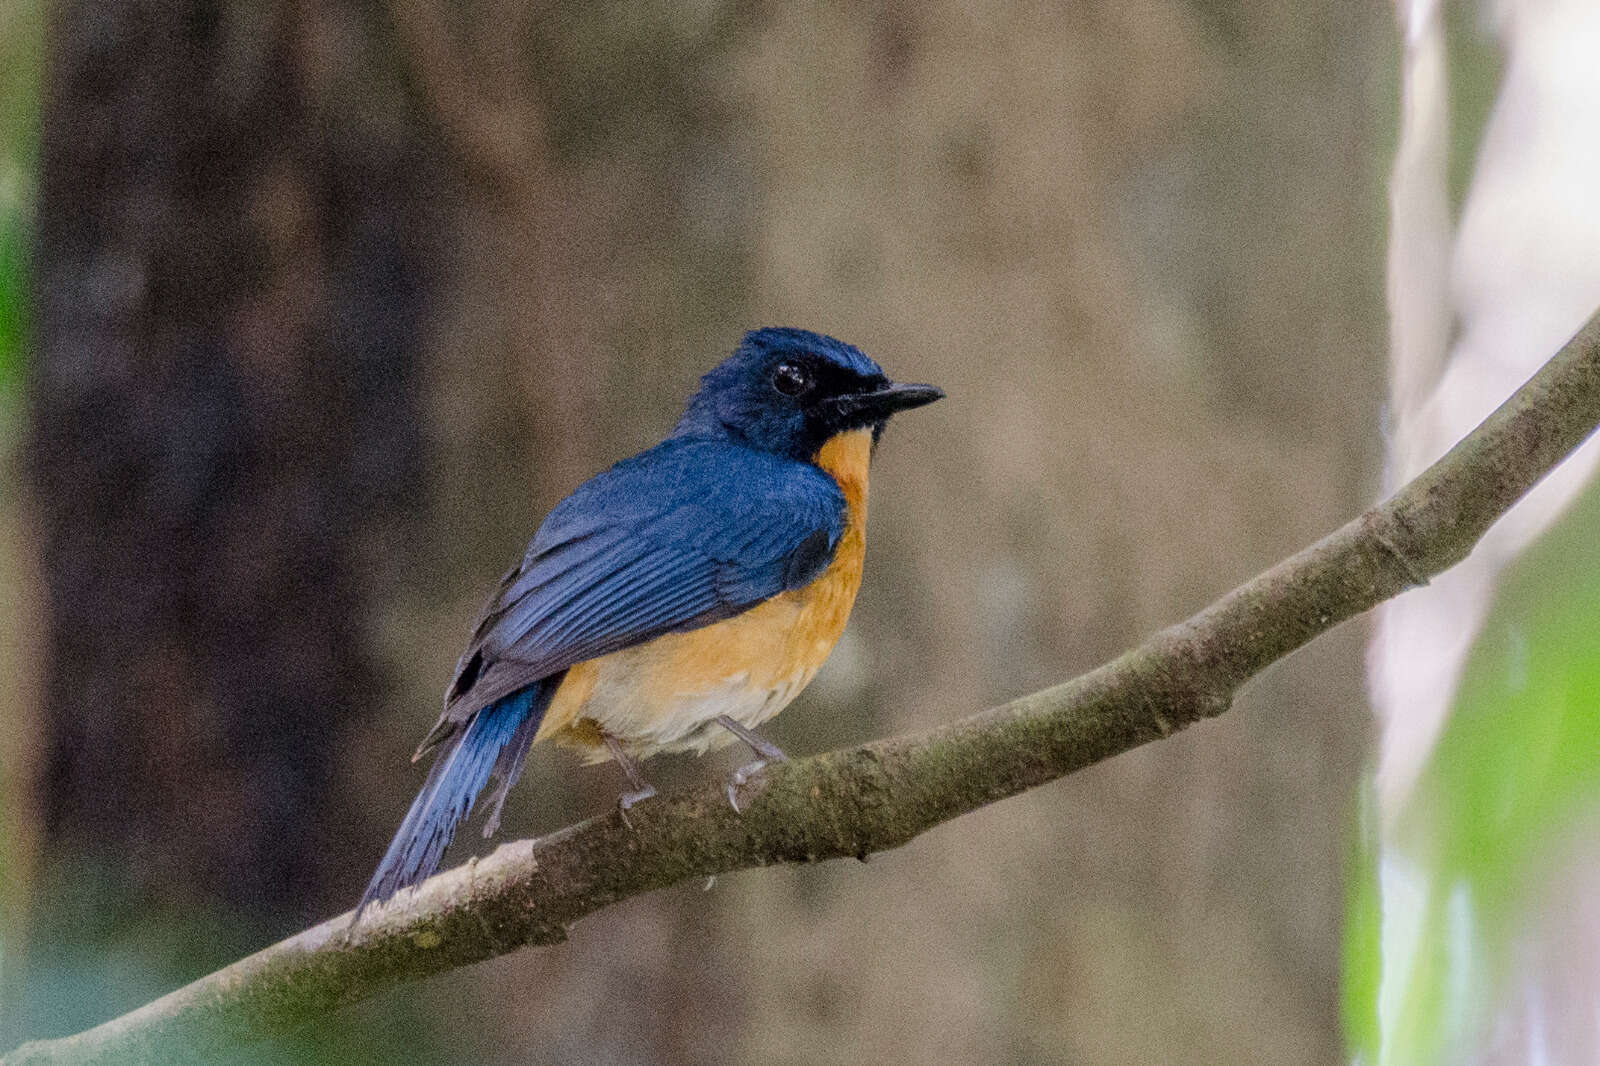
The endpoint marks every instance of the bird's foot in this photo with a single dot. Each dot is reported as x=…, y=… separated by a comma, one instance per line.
x=642, y=789
x=746, y=775
x=626, y=801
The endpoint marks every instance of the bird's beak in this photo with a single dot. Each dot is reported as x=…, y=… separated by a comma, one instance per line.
x=881, y=403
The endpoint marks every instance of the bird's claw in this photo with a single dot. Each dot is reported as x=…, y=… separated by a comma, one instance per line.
x=745, y=774
x=628, y=799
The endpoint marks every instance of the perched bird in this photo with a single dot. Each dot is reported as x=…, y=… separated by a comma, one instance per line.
x=675, y=601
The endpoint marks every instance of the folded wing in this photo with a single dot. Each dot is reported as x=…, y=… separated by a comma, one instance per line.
x=681, y=536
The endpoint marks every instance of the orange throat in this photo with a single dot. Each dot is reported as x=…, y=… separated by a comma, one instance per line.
x=826, y=602
x=847, y=457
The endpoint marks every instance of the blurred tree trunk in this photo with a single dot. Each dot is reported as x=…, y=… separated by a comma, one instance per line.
x=304, y=386
x=234, y=256
x=1095, y=225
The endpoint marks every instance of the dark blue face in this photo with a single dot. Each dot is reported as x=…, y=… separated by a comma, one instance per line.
x=789, y=390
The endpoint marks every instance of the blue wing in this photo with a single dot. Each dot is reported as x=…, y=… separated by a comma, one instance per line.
x=678, y=537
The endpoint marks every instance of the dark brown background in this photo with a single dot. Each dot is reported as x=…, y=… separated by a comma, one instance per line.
x=335, y=300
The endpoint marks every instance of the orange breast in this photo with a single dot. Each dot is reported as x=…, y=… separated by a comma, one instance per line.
x=825, y=603
x=656, y=694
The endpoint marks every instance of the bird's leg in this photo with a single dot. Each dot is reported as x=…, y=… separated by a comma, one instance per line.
x=642, y=789
x=763, y=747
x=769, y=752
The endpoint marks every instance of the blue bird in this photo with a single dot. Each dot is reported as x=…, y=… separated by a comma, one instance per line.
x=675, y=601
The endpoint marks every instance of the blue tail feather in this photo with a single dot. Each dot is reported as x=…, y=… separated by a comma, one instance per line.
x=494, y=744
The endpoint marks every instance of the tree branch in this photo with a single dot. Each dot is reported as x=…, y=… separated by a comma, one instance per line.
x=880, y=795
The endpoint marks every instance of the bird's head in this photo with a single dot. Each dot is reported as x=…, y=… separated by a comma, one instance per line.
x=790, y=391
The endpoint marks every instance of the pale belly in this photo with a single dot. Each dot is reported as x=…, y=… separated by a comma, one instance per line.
x=685, y=723
x=666, y=695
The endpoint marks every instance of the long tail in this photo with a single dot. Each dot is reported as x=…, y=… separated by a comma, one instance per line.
x=494, y=744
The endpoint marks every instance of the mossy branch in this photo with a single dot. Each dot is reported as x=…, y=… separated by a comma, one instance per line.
x=880, y=795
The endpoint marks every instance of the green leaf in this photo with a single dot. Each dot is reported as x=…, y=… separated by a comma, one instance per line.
x=13, y=301
x=21, y=45
x=1515, y=771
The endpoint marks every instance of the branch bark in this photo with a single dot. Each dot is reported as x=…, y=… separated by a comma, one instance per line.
x=880, y=795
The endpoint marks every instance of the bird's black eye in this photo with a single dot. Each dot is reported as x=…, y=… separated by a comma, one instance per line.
x=791, y=379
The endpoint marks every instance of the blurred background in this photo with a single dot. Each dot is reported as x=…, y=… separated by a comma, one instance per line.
x=309, y=311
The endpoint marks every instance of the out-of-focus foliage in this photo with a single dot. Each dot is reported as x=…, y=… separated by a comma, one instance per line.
x=19, y=110
x=1363, y=939
x=13, y=286
x=19, y=116
x=1475, y=62
x=1515, y=773
x=1470, y=922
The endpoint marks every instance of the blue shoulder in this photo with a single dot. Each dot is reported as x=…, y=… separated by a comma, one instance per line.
x=717, y=496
